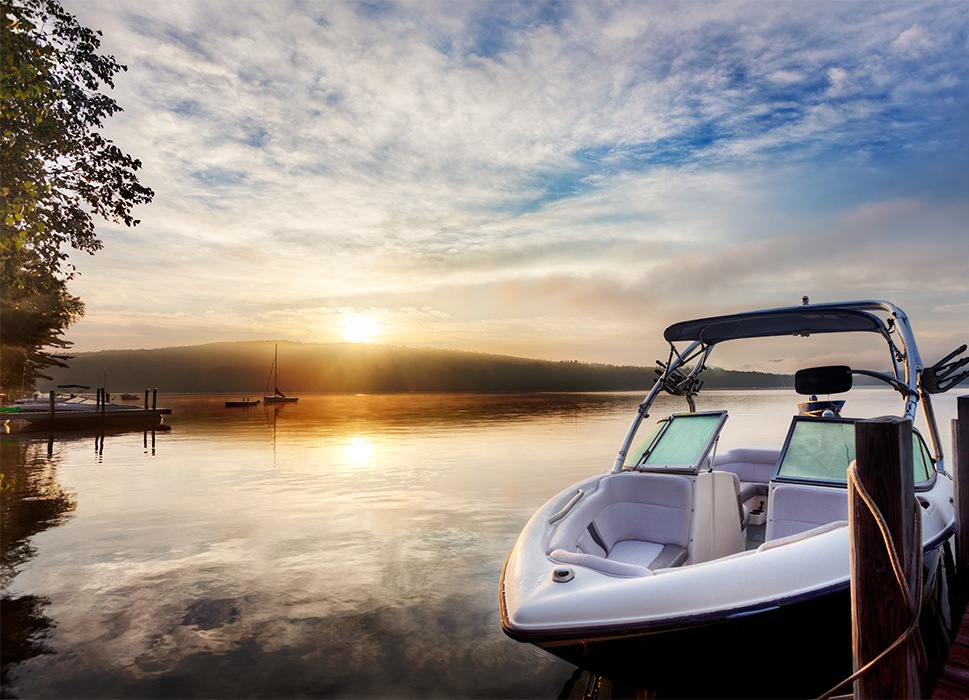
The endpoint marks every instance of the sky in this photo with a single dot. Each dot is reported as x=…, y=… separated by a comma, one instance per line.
x=556, y=180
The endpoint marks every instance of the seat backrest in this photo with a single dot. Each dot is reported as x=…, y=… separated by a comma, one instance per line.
x=795, y=508
x=650, y=507
x=750, y=464
x=629, y=506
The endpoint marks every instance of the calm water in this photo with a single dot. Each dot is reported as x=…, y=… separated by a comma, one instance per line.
x=347, y=546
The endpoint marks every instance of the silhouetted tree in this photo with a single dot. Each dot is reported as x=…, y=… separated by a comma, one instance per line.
x=58, y=173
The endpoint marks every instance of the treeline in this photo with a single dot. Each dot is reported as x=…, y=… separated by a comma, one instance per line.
x=244, y=367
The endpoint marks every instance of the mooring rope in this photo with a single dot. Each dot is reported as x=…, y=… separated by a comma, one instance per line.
x=913, y=606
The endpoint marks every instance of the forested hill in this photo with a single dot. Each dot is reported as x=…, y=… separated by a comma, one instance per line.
x=243, y=368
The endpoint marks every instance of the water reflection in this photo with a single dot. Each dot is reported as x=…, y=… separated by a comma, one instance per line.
x=32, y=501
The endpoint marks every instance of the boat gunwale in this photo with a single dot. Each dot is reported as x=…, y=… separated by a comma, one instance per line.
x=586, y=633
x=592, y=633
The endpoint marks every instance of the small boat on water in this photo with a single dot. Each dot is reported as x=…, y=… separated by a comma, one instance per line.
x=691, y=571
x=277, y=396
x=819, y=407
x=242, y=403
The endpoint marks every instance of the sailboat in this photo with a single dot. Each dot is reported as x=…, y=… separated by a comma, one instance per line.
x=277, y=396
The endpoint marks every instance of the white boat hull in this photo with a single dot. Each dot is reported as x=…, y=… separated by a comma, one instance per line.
x=769, y=606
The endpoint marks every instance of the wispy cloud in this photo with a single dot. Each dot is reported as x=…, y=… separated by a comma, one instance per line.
x=529, y=175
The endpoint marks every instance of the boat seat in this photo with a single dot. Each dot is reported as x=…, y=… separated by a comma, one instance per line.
x=743, y=510
x=631, y=525
x=796, y=508
x=755, y=467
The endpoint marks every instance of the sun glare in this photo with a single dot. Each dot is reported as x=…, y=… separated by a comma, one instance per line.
x=358, y=328
x=357, y=451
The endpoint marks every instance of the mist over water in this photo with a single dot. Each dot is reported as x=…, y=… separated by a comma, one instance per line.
x=345, y=546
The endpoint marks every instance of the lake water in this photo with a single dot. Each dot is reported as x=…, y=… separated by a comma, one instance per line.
x=346, y=546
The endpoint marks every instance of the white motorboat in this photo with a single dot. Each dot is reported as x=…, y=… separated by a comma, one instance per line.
x=62, y=402
x=650, y=573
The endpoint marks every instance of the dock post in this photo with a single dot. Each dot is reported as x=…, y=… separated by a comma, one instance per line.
x=881, y=611
x=50, y=442
x=146, y=399
x=103, y=400
x=960, y=472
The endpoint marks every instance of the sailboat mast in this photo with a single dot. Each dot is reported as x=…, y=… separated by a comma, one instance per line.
x=271, y=379
x=276, y=396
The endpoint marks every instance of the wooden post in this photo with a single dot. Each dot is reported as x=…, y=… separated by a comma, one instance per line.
x=960, y=472
x=146, y=399
x=880, y=614
x=154, y=405
x=50, y=446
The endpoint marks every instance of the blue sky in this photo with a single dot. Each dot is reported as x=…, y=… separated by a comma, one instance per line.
x=548, y=179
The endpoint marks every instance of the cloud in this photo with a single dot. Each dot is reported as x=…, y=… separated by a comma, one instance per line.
x=517, y=168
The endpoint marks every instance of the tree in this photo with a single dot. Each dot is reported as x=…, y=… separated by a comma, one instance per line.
x=34, y=318
x=57, y=173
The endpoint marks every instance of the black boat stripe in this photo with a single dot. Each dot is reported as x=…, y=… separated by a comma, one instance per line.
x=596, y=537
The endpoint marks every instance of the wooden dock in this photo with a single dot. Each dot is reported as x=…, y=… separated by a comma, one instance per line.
x=953, y=684
x=54, y=417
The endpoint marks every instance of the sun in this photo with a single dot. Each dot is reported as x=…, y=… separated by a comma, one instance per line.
x=358, y=328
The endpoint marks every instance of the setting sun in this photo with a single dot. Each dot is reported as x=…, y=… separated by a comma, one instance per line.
x=358, y=328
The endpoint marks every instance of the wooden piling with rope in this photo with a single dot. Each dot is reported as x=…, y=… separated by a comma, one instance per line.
x=885, y=587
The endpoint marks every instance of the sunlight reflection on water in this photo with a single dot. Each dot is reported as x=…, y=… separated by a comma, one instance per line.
x=343, y=546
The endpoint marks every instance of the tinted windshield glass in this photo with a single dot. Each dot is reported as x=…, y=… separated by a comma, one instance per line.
x=823, y=449
x=818, y=450
x=683, y=443
x=924, y=466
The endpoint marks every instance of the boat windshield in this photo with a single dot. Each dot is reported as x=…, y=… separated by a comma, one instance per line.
x=820, y=449
x=679, y=443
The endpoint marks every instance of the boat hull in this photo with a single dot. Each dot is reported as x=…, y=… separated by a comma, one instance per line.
x=716, y=658
x=710, y=628
x=792, y=648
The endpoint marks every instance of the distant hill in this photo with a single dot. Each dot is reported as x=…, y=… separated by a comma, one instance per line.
x=243, y=368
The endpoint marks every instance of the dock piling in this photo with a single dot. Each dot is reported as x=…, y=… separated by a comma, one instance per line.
x=882, y=609
x=50, y=441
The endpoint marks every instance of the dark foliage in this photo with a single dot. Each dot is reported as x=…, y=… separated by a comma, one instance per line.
x=57, y=173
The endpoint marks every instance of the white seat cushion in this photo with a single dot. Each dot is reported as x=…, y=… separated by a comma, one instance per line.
x=635, y=552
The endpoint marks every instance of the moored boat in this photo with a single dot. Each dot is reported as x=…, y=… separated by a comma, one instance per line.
x=246, y=402
x=656, y=571
x=819, y=407
x=276, y=396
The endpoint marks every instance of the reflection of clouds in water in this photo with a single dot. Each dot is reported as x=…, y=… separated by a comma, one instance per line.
x=148, y=616
x=359, y=560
